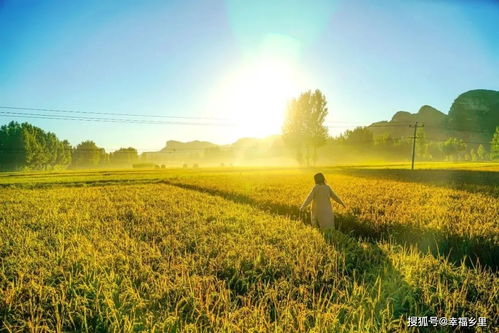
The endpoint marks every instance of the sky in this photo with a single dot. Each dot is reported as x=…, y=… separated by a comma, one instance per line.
x=218, y=70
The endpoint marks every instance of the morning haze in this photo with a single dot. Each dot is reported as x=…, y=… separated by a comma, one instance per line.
x=243, y=63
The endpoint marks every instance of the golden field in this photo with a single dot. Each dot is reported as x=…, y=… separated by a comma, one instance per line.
x=227, y=250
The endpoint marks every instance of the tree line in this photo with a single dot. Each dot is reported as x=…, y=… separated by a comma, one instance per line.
x=304, y=132
x=363, y=142
x=27, y=147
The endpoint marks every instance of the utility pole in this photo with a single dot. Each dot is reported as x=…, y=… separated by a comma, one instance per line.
x=414, y=143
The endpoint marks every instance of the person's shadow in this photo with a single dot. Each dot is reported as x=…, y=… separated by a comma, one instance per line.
x=473, y=181
x=366, y=263
x=456, y=248
x=390, y=300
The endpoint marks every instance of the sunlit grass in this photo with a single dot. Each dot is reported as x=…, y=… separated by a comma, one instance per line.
x=81, y=254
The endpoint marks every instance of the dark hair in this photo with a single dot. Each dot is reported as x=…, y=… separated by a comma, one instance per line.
x=319, y=178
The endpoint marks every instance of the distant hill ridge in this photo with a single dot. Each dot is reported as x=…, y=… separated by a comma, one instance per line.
x=475, y=110
x=425, y=114
x=173, y=145
x=473, y=115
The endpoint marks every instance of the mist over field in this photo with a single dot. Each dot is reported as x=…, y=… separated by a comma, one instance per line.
x=468, y=133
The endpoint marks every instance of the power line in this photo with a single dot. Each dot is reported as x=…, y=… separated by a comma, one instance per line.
x=60, y=117
x=135, y=121
x=151, y=122
x=148, y=121
x=132, y=114
x=160, y=122
x=108, y=120
x=107, y=113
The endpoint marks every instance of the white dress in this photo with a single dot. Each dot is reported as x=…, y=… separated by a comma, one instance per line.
x=322, y=210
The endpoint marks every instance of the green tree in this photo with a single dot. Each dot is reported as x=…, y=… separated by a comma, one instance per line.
x=64, y=153
x=124, y=156
x=303, y=128
x=473, y=154
x=88, y=155
x=384, y=144
x=482, y=153
x=421, y=143
x=384, y=141
x=12, y=148
x=361, y=137
x=494, y=145
x=37, y=147
x=453, y=147
x=24, y=146
x=435, y=151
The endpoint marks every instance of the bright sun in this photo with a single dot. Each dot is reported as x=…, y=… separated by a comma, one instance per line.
x=255, y=97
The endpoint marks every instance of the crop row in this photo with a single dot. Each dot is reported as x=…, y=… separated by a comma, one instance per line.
x=156, y=257
x=451, y=222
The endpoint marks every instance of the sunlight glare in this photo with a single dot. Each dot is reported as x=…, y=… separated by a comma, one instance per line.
x=255, y=97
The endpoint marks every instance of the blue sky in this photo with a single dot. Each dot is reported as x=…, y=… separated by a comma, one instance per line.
x=240, y=60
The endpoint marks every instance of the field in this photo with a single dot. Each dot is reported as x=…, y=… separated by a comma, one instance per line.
x=227, y=249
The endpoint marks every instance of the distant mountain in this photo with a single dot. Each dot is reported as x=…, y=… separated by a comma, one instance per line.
x=474, y=115
x=435, y=123
x=177, y=146
x=426, y=114
x=246, y=143
x=247, y=149
x=475, y=110
x=270, y=142
x=273, y=141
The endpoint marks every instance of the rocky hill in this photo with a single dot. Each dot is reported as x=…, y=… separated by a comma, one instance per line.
x=475, y=110
x=473, y=116
x=177, y=146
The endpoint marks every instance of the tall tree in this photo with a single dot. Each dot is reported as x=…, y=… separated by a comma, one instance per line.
x=494, y=145
x=360, y=136
x=24, y=146
x=482, y=153
x=88, y=155
x=435, y=151
x=453, y=147
x=473, y=154
x=64, y=153
x=303, y=128
x=421, y=143
x=37, y=149
x=124, y=156
x=12, y=149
